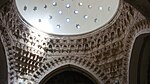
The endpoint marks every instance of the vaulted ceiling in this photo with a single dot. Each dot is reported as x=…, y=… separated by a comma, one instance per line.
x=142, y=5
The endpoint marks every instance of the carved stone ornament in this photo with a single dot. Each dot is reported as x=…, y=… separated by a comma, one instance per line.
x=105, y=52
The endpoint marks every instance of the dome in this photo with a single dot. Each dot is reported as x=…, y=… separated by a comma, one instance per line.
x=67, y=17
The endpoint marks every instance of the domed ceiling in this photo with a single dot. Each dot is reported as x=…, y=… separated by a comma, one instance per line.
x=67, y=17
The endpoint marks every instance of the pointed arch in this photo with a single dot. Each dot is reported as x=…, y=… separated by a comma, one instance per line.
x=76, y=63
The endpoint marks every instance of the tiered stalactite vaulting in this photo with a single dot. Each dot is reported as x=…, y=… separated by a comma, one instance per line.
x=32, y=54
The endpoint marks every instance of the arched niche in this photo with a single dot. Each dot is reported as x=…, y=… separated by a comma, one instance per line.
x=139, y=61
x=3, y=66
x=86, y=67
x=69, y=74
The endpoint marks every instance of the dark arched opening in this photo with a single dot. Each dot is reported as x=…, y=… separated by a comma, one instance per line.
x=3, y=66
x=139, y=69
x=68, y=75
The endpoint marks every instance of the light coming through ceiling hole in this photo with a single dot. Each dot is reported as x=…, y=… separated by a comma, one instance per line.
x=67, y=17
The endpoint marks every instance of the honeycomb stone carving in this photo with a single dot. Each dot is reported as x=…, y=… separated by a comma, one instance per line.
x=139, y=28
x=32, y=54
x=70, y=61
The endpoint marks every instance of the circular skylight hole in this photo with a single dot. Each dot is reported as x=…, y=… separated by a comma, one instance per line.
x=100, y=8
x=68, y=6
x=89, y=6
x=78, y=26
x=25, y=8
x=54, y=3
x=95, y=20
x=85, y=17
x=68, y=20
x=80, y=4
x=60, y=12
x=40, y=20
x=35, y=8
x=76, y=12
x=50, y=17
x=45, y=6
x=58, y=26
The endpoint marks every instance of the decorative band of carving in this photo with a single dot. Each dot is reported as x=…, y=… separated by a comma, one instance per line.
x=139, y=28
x=8, y=47
x=84, y=64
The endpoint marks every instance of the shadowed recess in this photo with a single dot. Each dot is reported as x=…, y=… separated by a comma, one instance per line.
x=69, y=77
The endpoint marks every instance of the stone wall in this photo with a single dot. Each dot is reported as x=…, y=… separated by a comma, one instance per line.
x=104, y=53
